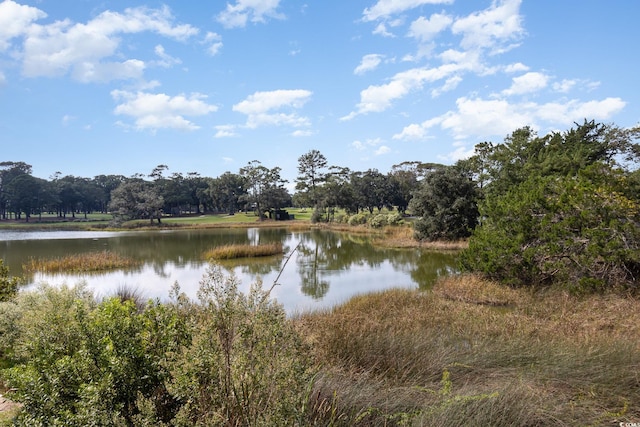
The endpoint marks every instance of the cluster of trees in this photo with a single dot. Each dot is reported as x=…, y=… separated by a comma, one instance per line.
x=559, y=209
x=254, y=188
x=563, y=207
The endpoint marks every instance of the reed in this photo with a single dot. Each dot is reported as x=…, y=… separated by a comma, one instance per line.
x=80, y=263
x=473, y=353
x=243, y=251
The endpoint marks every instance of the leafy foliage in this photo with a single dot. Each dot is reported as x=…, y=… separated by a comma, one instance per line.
x=8, y=284
x=558, y=210
x=446, y=204
x=228, y=359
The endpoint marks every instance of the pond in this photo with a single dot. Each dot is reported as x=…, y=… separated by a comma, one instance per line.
x=324, y=268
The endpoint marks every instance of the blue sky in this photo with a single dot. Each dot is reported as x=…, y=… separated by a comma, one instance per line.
x=119, y=87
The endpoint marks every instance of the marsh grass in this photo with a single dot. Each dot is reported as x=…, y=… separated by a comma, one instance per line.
x=473, y=353
x=243, y=251
x=80, y=263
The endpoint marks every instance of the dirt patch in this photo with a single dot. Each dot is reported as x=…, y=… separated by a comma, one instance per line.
x=7, y=405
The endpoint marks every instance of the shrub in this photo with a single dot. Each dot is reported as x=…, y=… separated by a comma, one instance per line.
x=358, y=219
x=229, y=359
x=395, y=218
x=8, y=284
x=83, y=363
x=378, y=221
x=246, y=364
x=554, y=230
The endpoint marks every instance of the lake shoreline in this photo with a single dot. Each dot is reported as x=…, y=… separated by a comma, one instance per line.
x=398, y=237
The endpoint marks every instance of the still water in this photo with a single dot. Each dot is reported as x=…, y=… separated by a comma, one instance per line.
x=324, y=268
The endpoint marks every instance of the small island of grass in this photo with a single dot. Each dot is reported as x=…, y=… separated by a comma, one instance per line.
x=80, y=263
x=243, y=251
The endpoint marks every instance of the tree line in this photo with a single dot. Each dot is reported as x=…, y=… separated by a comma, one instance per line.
x=558, y=208
x=254, y=187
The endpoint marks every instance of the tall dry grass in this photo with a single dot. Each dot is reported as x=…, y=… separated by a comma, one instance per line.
x=243, y=251
x=86, y=262
x=471, y=352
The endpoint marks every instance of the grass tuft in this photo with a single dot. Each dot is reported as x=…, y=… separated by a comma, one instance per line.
x=80, y=263
x=243, y=251
x=471, y=352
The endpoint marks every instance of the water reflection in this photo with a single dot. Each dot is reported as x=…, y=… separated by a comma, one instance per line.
x=326, y=267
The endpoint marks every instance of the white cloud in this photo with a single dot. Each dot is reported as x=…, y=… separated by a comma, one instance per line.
x=379, y=98
x=158, y=111
x=384, y=8
x=426, y=30
x=527, y=83
x=83, y=49
x=460, y=153
x=262, y=108
x=383, y=149
x=369, y=143
x=301, y=133
x=369, y=62
x=490, y=28
x=165, y=60
x=236, y=15
x=225, y=131
x=15, y=20
x=450, y=84
x=516, y=68
x=482, y=118
x=381, y=30
x=67, y=119
x=214, y=40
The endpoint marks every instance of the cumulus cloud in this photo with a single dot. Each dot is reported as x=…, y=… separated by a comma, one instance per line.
x=527, y=83
x=492, y=28
x=426, y=30
x=482, y=34
x=369, y=62
x=379, y=98
x=89, y=52
x=238, y=14
x=262, y=108
x=165, y=60
x=368, y=144
x=15, y=20
x=383, y=149
x=385, y=8
x=484, y=118
x=153, y=111
x=225, y=131
x=214, y=41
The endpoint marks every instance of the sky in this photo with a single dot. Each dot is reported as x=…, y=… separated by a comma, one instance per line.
x=119, y=87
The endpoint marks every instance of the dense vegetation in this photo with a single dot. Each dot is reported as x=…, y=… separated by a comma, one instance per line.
x=469, y=353
x=227, y=359
x=560, y=209
x=545, y=214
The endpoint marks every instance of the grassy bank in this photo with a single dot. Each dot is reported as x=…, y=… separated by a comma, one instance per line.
x=474, y=353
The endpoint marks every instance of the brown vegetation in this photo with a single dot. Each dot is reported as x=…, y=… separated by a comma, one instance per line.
x=473, y=350
x=243, y=251
x=87, y=262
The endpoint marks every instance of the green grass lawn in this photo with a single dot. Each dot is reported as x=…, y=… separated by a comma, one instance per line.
x=99, y=220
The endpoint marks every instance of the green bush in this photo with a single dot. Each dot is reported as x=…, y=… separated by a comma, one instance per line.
x=358, y=219
x=378, y=221
x=395, y=218
x=558, y=230
x=246, y=364
x=8, y=284
x=228, y=359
